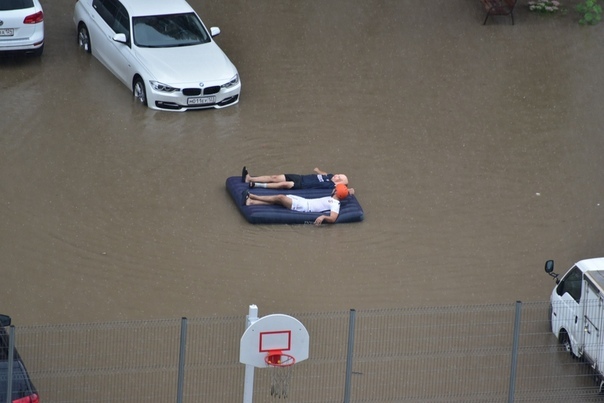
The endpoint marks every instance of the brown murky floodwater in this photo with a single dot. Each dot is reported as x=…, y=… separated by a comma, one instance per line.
x=475, y=151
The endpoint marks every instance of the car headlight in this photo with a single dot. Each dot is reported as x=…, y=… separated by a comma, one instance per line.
x=156, y=85
x=232, y=82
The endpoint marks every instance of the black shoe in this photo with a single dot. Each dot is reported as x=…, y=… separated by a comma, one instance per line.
x=243, y=174
x=252, y=185
x=245, y=195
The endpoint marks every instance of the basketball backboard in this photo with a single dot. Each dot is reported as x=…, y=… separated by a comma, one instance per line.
x=276, y=332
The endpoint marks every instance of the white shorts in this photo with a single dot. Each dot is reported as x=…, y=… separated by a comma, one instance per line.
x=299, y=203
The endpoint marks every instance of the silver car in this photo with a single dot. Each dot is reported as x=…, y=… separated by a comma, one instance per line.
x=160, y=50
x=21, y=27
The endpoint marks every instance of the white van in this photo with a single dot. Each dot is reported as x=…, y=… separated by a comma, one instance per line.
x=577, y=311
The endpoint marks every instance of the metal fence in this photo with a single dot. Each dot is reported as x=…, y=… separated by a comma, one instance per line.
x=442, y=354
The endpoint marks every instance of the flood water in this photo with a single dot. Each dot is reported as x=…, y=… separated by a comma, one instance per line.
x=475, y=152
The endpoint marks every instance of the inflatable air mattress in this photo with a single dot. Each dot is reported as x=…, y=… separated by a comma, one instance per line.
x=350, y=209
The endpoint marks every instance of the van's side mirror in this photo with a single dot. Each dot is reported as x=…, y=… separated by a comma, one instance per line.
x=549, y=269
x=549, y=266
x=5, y=320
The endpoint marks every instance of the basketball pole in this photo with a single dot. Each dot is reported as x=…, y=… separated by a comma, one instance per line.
x=248, y=386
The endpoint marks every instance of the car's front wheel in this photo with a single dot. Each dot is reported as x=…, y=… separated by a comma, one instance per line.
x=84, y=38
x=139, y=91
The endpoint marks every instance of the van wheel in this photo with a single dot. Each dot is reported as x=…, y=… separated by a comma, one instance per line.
x=565, y=341
x=138, y=89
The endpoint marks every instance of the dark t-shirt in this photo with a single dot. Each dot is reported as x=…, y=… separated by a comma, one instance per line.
x=312, y=181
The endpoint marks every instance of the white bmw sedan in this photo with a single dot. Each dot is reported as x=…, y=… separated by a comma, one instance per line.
x=21, y=27
x=161, y=50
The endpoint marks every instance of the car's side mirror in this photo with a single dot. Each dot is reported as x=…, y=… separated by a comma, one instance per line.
x=214, y=31
x=5, y=320
x=121, y=38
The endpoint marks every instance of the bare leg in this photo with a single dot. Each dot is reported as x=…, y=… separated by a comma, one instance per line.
x=265, y=178
x=256, y=200
x=279, y=185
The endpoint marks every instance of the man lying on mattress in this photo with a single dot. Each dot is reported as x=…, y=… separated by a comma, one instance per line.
x=318, y=180
x=297, y=203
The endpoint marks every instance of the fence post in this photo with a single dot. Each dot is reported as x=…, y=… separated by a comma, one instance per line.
x=181, y=359
x=248, y=383
x=351, y=327
x=512, y=390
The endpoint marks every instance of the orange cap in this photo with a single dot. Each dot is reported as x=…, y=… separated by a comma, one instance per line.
x=341, y=191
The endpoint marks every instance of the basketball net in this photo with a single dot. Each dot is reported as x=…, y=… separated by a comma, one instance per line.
x=282, y=367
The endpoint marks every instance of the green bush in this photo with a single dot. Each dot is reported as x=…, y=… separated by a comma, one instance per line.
x=592, y=12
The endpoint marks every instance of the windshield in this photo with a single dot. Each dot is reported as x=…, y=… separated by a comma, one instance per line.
x=165, y=31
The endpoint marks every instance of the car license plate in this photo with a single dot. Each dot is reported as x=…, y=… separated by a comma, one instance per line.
x=7, y=31
x=201, y=101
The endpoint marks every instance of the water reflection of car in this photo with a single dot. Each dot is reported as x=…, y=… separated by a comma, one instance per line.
x=22, y=389
x=160, y=50
x=21, y=27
